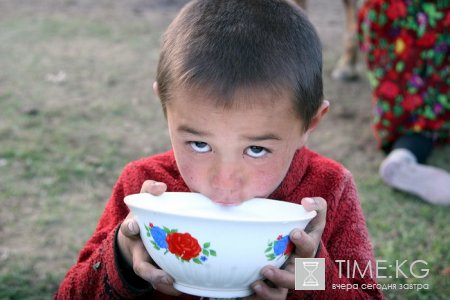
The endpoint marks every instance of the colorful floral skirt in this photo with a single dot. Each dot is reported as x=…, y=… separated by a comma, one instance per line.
x=407, y=45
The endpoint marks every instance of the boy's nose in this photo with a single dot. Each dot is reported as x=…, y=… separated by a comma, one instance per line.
x=226, y=176
x=227, y=184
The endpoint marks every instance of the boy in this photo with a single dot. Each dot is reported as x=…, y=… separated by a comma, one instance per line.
x=240, y=83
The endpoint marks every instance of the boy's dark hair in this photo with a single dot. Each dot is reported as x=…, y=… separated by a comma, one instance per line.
x=224, y=45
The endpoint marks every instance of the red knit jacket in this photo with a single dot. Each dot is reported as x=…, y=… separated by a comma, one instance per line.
x=100, y=273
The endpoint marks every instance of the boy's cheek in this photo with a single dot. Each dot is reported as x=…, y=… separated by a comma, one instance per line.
x=260, y=180
x=192, y=176
x=267, y=183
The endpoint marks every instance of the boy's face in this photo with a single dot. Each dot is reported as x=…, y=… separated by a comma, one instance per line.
x=233, y=154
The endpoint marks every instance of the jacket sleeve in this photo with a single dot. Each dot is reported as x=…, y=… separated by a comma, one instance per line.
x=98, y=272
x=346, y=248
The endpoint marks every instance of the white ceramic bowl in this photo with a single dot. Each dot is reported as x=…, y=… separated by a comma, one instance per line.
x=212, y=250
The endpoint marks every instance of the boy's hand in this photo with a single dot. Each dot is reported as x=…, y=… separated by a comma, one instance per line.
x=306, y=245
x=133, y=250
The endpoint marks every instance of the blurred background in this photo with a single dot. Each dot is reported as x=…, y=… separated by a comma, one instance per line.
x=76, y=105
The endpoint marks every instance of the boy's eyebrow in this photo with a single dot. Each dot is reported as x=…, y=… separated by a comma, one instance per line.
x=187, y=129
x=263, y=137
x=255, y=138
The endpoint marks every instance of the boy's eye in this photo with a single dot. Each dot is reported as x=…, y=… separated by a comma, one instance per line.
x=256, y=151
x=200, y=147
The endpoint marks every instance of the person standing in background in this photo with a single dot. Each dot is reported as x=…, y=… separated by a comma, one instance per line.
x=407, y=55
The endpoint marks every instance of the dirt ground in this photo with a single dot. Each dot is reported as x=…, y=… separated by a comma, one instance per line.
x=106, y=110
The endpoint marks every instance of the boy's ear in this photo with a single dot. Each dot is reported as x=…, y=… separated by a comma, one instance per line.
x=156, y=88
x=322, y=111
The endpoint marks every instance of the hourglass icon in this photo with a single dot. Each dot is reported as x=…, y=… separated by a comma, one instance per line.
x=310, y=267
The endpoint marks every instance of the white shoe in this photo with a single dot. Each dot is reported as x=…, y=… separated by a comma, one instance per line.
x=400, y=170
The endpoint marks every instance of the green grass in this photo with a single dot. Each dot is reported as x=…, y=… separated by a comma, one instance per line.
x=402, y=227
x=63, y=144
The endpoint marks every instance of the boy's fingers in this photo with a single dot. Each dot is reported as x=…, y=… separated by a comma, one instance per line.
x=155, y=188
x=129, y=227
x=159, y=279
x=167, y=289
x=305, y=244
x=316, y=226
x=263, y=291
x=279, y=277
x=315, y=203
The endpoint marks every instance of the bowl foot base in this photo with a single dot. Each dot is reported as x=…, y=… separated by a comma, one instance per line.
x=211, y=292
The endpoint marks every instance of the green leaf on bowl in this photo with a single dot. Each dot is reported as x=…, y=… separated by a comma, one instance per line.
x=155, y=245
x=270, y=256
x=197, y=261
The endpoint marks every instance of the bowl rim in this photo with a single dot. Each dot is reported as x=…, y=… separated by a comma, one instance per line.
x=309, y=215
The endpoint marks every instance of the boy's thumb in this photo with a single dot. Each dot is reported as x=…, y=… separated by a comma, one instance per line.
x=132, y=227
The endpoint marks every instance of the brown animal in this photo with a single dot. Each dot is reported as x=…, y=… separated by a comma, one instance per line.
x=345, y=68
